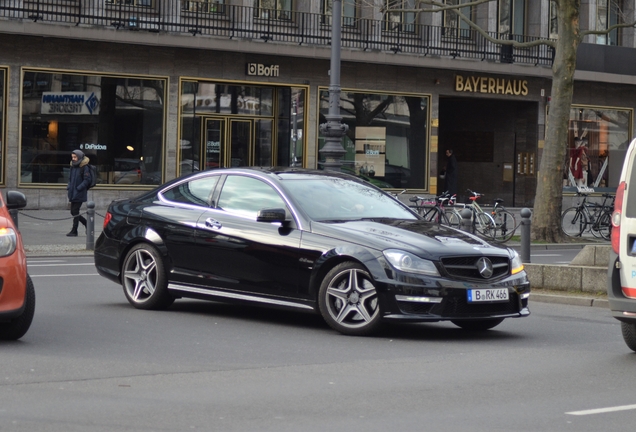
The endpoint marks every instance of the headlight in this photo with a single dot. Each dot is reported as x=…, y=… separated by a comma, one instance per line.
x=409, y=263
x=8, y=241
x=515, y=264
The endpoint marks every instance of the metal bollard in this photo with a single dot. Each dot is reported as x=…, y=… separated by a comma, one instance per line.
x=466, y=223
x=526, y=213
x=90, y=226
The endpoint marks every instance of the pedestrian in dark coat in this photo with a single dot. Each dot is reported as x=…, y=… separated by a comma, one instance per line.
x=451, y=172
x=78, y=181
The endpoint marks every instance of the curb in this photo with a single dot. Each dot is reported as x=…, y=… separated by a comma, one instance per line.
x=570, y=300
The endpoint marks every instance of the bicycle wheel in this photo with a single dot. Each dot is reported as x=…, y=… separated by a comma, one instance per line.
x=505, y=225
x=432, y=214
x=573, y=222
x=453, y=217
x=484, y=224
x=605, y=225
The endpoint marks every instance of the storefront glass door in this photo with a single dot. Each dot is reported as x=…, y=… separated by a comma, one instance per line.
x=240, y=142
x=214, y=140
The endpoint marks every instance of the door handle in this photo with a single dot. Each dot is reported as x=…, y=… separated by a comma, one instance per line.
x=213, y=223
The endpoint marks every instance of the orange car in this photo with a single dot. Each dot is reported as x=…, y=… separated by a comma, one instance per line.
x=17, y=295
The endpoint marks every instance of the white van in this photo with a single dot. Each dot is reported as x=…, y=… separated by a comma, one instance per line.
x=621, y=274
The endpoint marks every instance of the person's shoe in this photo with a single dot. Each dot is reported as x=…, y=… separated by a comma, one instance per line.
x=72, y=233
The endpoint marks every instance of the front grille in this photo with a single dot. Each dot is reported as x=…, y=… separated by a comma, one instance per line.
x=466, y=267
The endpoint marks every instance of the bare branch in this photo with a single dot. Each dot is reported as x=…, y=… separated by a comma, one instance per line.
x=608, y=30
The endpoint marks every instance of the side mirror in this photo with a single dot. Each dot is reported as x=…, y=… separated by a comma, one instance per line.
x=15, y=200
x=271, y=215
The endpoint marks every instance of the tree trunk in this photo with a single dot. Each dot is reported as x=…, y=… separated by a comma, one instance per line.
x=546, y=220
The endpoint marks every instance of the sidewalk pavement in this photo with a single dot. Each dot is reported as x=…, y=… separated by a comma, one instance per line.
x=44, y=234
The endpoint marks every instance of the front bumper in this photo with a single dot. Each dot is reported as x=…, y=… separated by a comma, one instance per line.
x=438, y=300
x=622, y=308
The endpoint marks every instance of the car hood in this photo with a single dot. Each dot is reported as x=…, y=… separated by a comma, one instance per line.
x=425, y=239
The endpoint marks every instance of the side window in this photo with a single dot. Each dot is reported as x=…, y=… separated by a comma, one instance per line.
x=195, y=192
x=245, y=196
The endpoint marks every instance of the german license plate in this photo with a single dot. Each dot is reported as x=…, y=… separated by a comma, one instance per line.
x=488, y=295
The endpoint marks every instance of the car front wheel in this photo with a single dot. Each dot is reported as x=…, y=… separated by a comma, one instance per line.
x=348, y=300
x=144, y=278
x=17, y=327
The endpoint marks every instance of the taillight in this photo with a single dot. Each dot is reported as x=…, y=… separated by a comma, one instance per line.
x=616, y=217
x=107, y=218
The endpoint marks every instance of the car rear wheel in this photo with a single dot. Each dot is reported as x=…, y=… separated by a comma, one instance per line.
x=478, y=324
x=144, y=278
x=629, y=334
x=17, y=327
x=348, y=300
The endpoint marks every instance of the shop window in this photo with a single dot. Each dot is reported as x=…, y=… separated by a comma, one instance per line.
x=386, y=143
x=454, y=26
x=348, y=12
x=72, y=83
x=273, y=9
x=512, y=18
x=230, y=124
x=399, y=16
x=598, y=138
x=117, y=122
x=608, y=14
x=34, y=84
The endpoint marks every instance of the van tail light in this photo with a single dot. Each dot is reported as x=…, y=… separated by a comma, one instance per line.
x=616, y=217
x=107, y=218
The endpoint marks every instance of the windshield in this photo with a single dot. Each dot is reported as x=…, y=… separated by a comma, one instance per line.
x=340, y=199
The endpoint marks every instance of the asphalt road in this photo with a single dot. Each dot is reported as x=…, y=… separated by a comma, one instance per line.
x=91, y=362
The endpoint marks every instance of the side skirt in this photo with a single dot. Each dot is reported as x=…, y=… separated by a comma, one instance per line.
x=213, y=293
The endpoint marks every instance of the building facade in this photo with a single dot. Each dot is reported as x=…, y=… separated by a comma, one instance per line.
x=152, y=89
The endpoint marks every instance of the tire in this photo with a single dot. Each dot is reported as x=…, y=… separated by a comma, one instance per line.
x=485, y=225
x=144, y=278
x=348, y=300
x=629, y=334
x=478, y=324
x=605, y=226
x=573, y=222
x=18, y=326
x=454, y=218
x=505, y=226
x=431, y=214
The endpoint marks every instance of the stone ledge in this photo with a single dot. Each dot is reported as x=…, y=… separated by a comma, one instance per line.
x=567, y=278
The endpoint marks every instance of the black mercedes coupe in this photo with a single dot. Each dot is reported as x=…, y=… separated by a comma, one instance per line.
x=309, y=240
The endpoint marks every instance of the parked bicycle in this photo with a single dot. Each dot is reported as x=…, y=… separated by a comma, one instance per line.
x=500, y=224
x=588, y=216
x=434, y=209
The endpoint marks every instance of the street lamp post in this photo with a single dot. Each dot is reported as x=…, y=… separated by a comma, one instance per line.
x=334, y=129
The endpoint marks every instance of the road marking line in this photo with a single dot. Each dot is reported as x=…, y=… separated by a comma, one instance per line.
x=45, y=261
x=603, y=410
x=63, y=275
x=59, y=265
x=546, y=255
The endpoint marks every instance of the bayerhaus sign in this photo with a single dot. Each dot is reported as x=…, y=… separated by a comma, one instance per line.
x=491, y=85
